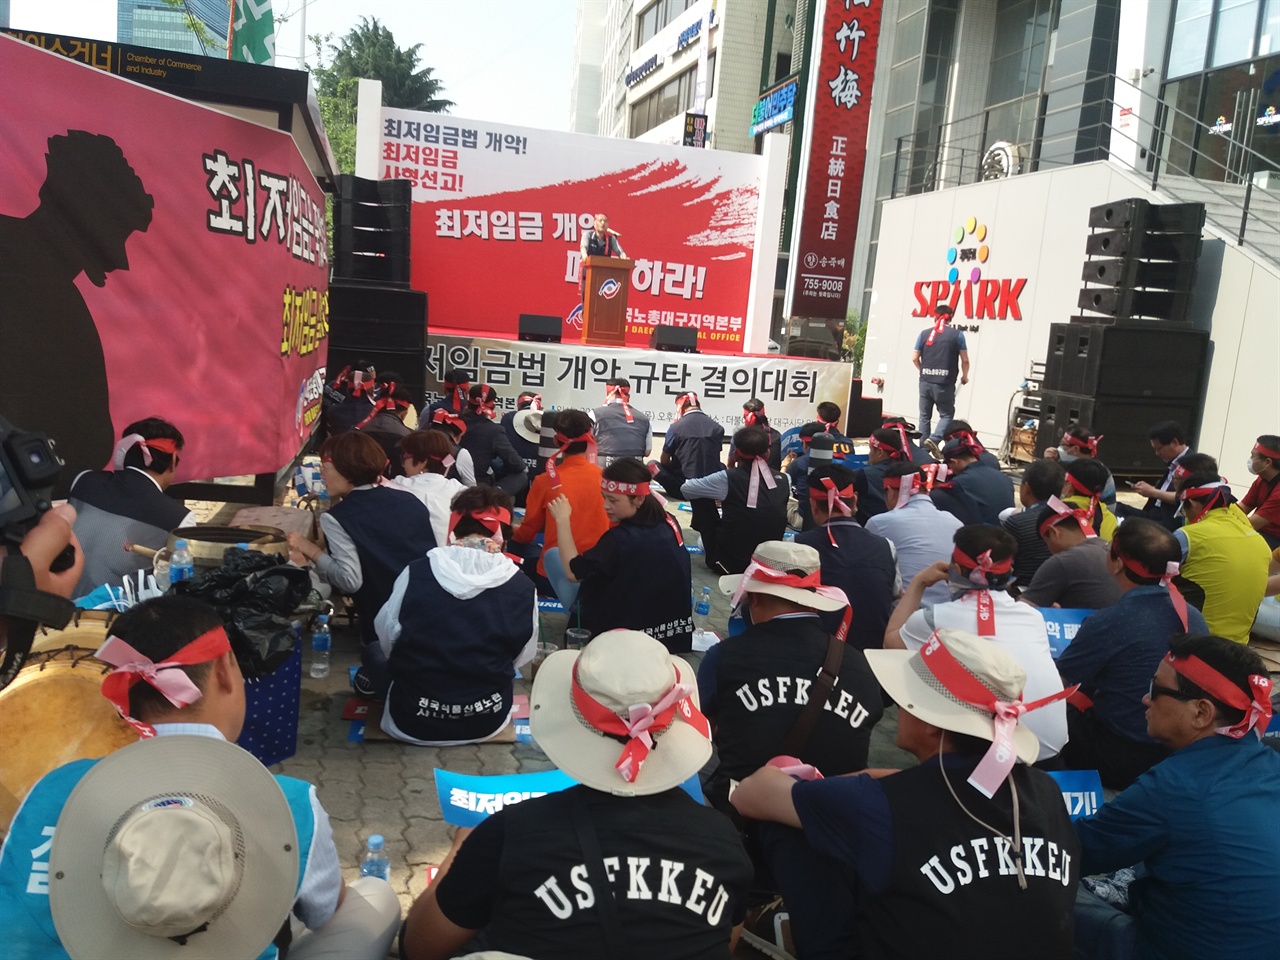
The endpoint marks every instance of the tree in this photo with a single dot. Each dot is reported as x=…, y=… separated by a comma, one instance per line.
x=855, y=340
x=369, y=51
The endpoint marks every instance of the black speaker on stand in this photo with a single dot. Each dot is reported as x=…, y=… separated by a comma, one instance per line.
x=386, y=326
x=371, y=231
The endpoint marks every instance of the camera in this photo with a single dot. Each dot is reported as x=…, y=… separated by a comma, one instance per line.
x=29, y=468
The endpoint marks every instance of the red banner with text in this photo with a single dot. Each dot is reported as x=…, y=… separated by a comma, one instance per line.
x=499, y=213
x=841, y=71
x=157, y=258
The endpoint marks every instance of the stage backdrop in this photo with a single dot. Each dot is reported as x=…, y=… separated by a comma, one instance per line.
x=571, y=376
x=499, y=212
x=157, y=258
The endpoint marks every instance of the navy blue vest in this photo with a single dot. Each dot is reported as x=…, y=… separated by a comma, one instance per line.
x=390, y=528
x=861, y=564
x=451, y=668
x=743, y=528
x=647, y=588
x=695, y=442
x=940, y=360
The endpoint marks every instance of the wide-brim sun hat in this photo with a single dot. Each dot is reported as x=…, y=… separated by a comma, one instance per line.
x=787, y=557
x=167, y=832
x=528, y=425
x=619, y=670
x=914, y=688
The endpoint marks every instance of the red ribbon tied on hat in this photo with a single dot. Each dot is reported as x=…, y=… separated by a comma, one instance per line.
x=643, y=720
x=1000, y=757
x=758, y=467
x=588, y=438
x=163, y=444
x=1256, y=704
x=810, y=581
x=1091, y=444
x=131, y=667
x=1058, y=510
x=491, y=518
x=622, y=395
x=835, y=497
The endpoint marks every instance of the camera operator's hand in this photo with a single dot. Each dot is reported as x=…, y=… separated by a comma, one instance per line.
x=42, y=545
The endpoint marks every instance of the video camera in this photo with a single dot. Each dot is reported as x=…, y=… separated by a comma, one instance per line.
x=29, y=469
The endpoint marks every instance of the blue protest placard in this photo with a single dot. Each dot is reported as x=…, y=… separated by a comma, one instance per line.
x=1061, y=626
x=1081, y=791
x=466, y=799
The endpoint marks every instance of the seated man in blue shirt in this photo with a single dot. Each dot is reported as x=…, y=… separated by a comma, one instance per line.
x=1202, y=823
x=987, y=486
x=176, y=674
x=1115, y=652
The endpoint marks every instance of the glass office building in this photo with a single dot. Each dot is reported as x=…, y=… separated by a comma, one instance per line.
x=153, y=23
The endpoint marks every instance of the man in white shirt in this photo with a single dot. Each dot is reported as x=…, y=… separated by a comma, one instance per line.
x=977, y=574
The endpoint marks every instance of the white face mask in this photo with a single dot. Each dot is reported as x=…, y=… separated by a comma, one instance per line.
x=1250, y=467
x=1065, y=455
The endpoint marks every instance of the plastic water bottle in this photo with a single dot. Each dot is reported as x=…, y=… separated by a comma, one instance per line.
x=181, y=566
x=375, y=862
x=321, y=644
x=702, y=611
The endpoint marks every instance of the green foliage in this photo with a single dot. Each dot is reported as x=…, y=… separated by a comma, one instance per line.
x=210, y=45
x=855, y=340
x=369, y=51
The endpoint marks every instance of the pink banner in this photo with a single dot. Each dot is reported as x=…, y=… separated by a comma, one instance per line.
x=499, y=213
x=157, y=258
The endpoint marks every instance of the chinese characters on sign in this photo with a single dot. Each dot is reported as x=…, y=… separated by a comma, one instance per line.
x=844, y=55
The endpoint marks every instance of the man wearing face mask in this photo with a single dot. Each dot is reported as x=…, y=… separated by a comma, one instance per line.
x=978, y=574
x=1262, y=502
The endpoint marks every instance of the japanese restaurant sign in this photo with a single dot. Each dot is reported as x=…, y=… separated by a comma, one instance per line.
x=832, y=158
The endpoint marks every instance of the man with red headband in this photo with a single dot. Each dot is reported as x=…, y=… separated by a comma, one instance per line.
x=456, y=624
x=176, y=674
x=1115, y=652
x=889, y=445
x=1263, y=498
x=496, y=461
x=1202, y=824
x=989, y=489
x=921, y=533
x=1076, y=574
x=1080, y=443
x=754, y=498
x=789, y=686
x=971, y=852
x=1224, y=559
x=454, y=387
x=753, y=415
x=623, y=864
x=692, y=448
x=128, y=504
x=862, y=564
x=940, y=355
x=978, y=575
x=621, y=430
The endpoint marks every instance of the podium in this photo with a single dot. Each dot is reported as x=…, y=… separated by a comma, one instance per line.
x=604, y=302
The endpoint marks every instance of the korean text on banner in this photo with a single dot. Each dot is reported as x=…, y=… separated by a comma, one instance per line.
x=1061, y=625
x=567, y=375
x=1081, y=791
x=499, y=213
x=201, y=240
x=833, y=156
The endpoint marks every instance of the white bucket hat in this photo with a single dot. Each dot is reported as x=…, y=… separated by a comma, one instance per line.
x=178, y=846
x=790, y=560
x=621, y=716
x=528, y=424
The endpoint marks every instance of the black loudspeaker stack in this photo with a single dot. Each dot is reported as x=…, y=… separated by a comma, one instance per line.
x=371, y=231
x=1136, y=361
x=385, y=326
x=540, y=328
x=674, y=339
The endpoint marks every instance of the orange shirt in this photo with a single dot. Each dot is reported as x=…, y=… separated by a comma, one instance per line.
x=580, y=482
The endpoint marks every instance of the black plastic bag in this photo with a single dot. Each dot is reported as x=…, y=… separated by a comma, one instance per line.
x=255, y=595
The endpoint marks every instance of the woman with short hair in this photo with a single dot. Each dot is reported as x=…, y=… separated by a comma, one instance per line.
x=427, y=456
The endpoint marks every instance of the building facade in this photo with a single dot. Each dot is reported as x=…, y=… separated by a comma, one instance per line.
x=153, y=23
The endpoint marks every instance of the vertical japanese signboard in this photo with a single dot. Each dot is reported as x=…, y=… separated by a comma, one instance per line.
x=832, y=158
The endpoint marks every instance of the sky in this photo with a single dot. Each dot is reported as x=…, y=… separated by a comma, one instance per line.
x=507, y=61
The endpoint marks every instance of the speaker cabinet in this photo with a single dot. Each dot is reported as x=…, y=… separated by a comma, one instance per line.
x=371, y=230
x=1133, y=360
x=674, y=339
x=1123, y=424
x=539, y=328
x=863, y=414
x=385, y=325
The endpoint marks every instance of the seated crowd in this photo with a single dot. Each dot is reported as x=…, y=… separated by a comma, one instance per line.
x=915, y=590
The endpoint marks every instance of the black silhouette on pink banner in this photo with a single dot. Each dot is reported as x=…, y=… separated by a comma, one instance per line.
x=52, y=373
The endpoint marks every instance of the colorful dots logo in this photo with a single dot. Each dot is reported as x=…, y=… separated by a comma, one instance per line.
x=968, y=246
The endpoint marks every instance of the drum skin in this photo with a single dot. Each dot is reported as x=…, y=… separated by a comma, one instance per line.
x=54, y=711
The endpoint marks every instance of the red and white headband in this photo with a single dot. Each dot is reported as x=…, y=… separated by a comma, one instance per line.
x=1058, y=511
x=491, y=518
x=626, y=489
x=622, y=395
x=760, y=472
x=1091, y=444
x=161, y=444
x=834, y=497
x=564, y=443
x=1256, y=704
x=131, y=667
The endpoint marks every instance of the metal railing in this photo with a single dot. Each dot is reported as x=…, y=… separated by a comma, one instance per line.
x=969, y=150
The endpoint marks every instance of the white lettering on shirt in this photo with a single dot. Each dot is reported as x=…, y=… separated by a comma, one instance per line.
x=551, y=894
x=702, y=882
x=586, y=897
x=637, y=889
